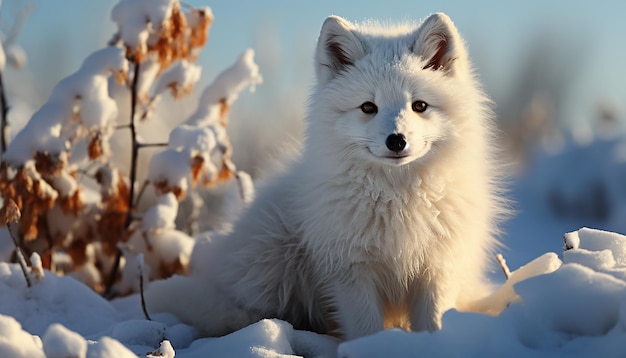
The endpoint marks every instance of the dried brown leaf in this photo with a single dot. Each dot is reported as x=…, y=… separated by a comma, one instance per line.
x=9, y=212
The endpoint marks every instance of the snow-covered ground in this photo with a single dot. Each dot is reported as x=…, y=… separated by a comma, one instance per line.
x=568, y=303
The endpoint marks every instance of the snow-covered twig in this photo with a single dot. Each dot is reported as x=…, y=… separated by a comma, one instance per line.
x=36, y=267
x=503, y=266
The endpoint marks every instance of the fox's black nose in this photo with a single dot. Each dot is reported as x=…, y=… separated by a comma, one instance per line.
x=396, y=142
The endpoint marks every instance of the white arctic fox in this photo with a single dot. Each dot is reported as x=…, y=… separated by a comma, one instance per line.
x=387, y=218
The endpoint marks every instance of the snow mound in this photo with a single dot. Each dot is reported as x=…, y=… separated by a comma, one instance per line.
x=577, y=309
x=573, y=306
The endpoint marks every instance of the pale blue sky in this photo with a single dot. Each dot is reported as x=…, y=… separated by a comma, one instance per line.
x=589, y=36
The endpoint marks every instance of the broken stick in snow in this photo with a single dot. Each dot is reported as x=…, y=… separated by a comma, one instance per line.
x=503, y=266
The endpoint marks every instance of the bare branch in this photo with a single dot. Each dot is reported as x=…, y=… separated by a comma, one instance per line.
x=503, y=266
x=142, y=190
x=4, y=112
x=148, y=145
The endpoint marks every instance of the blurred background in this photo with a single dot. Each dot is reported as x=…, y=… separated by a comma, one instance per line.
x=555, y=70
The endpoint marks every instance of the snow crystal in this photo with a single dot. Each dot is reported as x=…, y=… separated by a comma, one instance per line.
x=60, y=342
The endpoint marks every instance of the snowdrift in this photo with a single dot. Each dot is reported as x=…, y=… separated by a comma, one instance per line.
x=570, y=305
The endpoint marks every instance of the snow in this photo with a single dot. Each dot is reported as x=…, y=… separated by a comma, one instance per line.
x=133, y=17
x=179, y=77
x=226, y=88
x=575, y=308
x=60, y=342
x=170, y=166
x=162, y=215
x=84, y=96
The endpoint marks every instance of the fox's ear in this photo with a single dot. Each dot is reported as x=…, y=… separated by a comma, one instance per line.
x=337, y=48
x=439, y=44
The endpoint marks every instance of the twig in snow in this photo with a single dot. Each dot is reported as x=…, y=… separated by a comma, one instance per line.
x=503, y=266
x=36, y=268
x=11, y=217
x=143, y=299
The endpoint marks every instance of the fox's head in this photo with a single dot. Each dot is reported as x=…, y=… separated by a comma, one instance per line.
x=393, y=96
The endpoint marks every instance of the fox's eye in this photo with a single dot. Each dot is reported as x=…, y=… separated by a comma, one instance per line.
x=369, y=108
x=419, y=106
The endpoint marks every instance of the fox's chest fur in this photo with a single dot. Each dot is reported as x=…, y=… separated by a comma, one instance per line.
x=368, y=216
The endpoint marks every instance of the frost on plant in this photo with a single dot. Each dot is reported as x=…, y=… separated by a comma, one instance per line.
x=79, y=210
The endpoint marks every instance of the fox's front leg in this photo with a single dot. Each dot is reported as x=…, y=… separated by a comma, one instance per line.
x=429, y=299
x=359, y=310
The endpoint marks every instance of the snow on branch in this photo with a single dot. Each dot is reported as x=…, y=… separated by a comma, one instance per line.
x=201, y=145
x=153, y=26
x=79, y=108
x=217, y=98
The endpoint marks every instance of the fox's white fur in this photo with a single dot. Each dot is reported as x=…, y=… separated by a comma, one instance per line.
x=361, y=234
